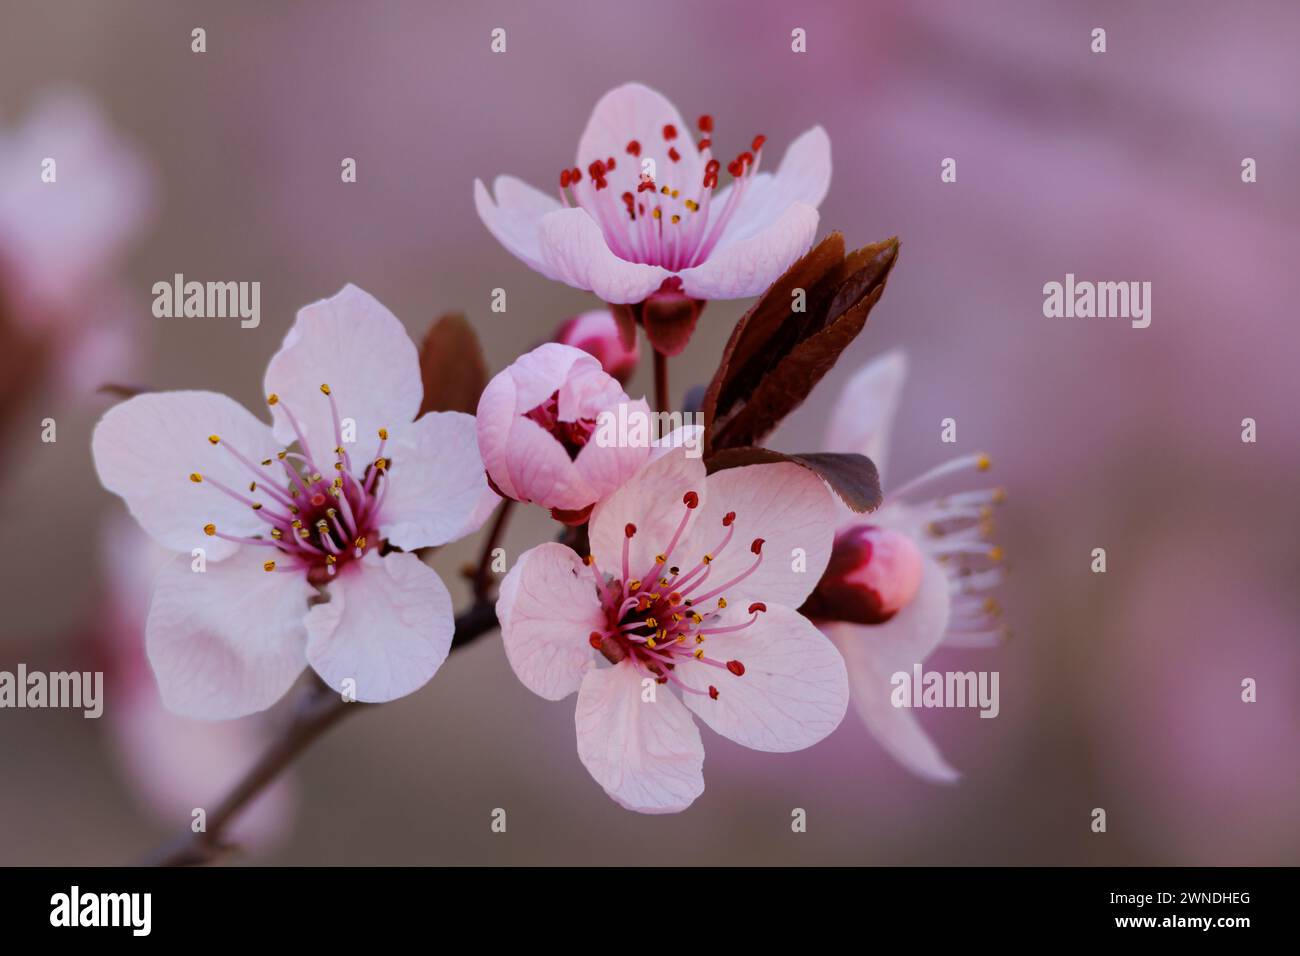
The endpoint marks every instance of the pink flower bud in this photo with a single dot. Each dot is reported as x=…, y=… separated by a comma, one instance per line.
x=872, y=575
x=596, y=333
x=537, y=432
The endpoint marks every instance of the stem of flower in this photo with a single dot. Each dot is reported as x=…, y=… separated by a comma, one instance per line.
x=319, y=709
x=661, y=381
x=483, y=576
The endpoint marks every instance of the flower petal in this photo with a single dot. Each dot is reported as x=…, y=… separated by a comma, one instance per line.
x=436, y=489
x=574, y=251
x=864, y=413
x=146, y=448
x=353, y=344
x=874, y=654
x=652, y=501
x=804, y=176
x=634, y=111
x=387, y=626
x=607, y=461
x=515, y=218
x=647, y=755
x=747, y=266
x=794, y=690
x=227, y=641
x=787, y=506
x=547, y=608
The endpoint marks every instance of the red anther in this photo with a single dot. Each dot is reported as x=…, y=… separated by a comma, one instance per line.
x=634, y=148
x=576, y=176
x=735, y=168
x=673, y=154
x=670, y=131
x=629, y=529
x=736, y=668
x=566, y=177
x=712, y=166
x=595, y=639
x=705, y=144
x=596, y=169
x=728, y=518
x=713, y=692
x=758, y=607
x=609, y=163
x=758, y=142
x=757, y=546
x=645, y=184
x=710, y=180
x=691, y=499
x=630, y=203
x=706, y=123
x=747, y=158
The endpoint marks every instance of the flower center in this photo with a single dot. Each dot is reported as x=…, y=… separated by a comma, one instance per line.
x=318, y=519
x=662, y=620
x=662, y=217
x=572, y=435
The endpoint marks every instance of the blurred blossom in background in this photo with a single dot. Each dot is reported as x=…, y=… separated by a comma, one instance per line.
x=1119, y=690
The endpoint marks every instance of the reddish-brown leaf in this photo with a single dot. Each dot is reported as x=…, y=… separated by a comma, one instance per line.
x=451, y=366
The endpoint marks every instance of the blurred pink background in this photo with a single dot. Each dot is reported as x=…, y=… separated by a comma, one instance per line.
x=1119, y=690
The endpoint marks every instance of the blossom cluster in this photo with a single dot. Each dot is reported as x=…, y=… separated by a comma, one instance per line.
x=753, y=591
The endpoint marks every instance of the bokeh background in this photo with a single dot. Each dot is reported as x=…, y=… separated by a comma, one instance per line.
x=1119, y=690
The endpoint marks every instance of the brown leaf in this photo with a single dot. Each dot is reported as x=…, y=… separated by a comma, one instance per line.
x=853, y=477
x=776, y=356
x=451, y=366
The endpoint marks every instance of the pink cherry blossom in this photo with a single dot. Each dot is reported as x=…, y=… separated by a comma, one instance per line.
x=64, y=230
x=685, y=605
x=642, y=210
x=597, y=333
x=925, y=580
x=296, y=572
x=536, y=421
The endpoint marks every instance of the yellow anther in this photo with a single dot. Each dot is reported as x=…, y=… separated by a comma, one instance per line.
x=195, y=477
x=293, y=509
x=297, y=523
x=991, y=606
x=651, y=622
x=676, y=218
x=277, y=534
x=214, y=439
x=314, y=477
x=695, y=616
x=360, y=543
x=383, y=433
x=722, y=602
x=699, y=638
x=338, y=466
x=707, y=559
x=650, y=643
x=281, y=455
x=634, y=585
x=330, y=559
x=677, y=617
x=661, y=559
x=267, y=462
x=209, y=529
x=999, y=495
x=692, y=205
x=995, y=553
x=657, y=214
x=588, y=560
x=325, y=389
x=252, y=486
x=257, y=506
x=381, y=463
x=699, y=653
x=983, y=463
x=269, y=566
x=338, y=449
